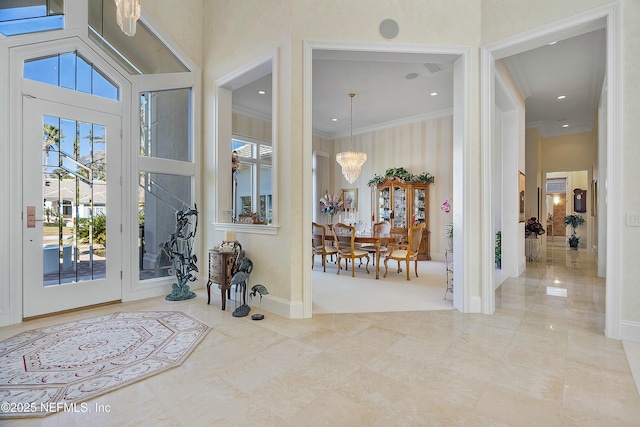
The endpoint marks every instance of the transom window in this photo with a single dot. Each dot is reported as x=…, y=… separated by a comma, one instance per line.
x=71, y=71
x=23, y=17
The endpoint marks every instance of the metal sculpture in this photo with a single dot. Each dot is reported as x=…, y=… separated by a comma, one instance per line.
x=258, y=289
x=179, y=249
x=244, y=266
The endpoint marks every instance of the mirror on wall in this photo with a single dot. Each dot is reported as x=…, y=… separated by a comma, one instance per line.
x=252, y=152
x=246, y=144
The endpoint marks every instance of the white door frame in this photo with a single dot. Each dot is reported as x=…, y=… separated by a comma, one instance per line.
x=609, y=16
x=40, y=46
x=37, y=298
x=463, y=299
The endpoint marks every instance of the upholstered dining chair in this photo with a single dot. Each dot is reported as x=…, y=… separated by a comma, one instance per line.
x=344, y=237
x=406, y=252
x=381, y=229
x=320, y=246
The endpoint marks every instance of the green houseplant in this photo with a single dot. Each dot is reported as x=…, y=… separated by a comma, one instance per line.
x=403, y=174
x=574, y=221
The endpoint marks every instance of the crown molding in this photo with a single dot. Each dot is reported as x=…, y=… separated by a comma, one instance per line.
x=395, y=123
x=547, y=133
x=251, y=113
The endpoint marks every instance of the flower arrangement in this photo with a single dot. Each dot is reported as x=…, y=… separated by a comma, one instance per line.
x=446, y=208
x=533, y=227
x=330, y=204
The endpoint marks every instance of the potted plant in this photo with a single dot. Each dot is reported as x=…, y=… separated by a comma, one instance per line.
x=574, y=221
x=533, y=228
x=446, y=208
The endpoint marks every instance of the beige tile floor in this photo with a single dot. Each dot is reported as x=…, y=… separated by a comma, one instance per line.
x=540, y=360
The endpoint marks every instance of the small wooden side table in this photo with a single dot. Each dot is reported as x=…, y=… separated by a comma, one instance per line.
x=221, y=265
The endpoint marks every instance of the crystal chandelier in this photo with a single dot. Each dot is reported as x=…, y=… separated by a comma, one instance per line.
x=351, y=161
x=127, y=13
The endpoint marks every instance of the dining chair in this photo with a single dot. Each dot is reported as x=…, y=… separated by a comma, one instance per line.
x=344, y=237
x=406, y=252
x=320, y=246
x=380, y=229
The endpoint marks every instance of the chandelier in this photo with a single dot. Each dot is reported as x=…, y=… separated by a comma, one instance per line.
x=351, y=161
x=127, y=13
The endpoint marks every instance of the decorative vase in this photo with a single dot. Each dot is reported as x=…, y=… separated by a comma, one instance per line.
x=450, y=243
x=331, y=218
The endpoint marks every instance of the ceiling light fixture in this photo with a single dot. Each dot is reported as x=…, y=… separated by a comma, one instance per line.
x=433, y=93
x=334, y=120
x=127, y=13
x=562, y=96
x=552, y=43
x=261, y=92
x=565, y=125
x=411, y=76
x=351, y=161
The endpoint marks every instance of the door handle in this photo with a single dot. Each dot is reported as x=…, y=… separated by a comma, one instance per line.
x=31, y=217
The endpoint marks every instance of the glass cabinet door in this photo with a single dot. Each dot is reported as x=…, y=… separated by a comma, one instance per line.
x=399, y=208
x=384, y=204
x=418, y=206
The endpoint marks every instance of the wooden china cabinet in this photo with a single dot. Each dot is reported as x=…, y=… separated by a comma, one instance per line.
x=403, y=204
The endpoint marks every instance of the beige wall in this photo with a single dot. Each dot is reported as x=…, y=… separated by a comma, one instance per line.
x=250, y=126
x=533, y=169
x=505, y=18
x=568, y=152
x=630, y=250
x=183, y=23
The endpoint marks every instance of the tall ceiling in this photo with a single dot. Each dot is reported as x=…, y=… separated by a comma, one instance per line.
x=393, y=88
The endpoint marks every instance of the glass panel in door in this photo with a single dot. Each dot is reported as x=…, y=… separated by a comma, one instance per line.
x=418, y=206
x=399, y=208
x=74, y=175
x=384, y=203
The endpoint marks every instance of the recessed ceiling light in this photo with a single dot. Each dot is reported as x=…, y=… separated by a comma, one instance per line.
x=562, y=96
x=552, y=43
x=433, y=93
x=411, y=76
x=261, y=92
x=565, y=125
x=334, y=120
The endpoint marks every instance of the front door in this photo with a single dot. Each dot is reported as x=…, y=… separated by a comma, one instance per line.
x=72, y=207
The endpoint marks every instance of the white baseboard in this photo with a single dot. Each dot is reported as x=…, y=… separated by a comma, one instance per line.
x=284, y=308
x=271, y=304
x=630, y=331
x=475, y=305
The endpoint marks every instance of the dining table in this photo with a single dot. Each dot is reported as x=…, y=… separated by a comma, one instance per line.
x=374, y=239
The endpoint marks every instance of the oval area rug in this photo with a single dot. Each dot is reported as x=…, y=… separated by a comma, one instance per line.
x=50, y=369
